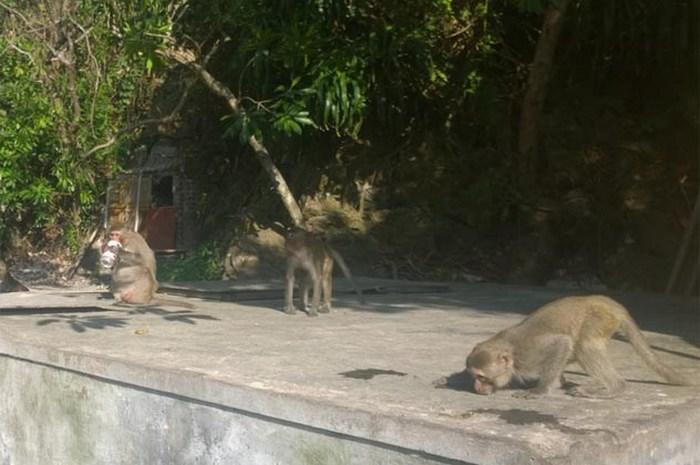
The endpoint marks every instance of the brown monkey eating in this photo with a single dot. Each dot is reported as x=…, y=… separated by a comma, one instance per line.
x=310, y=253
x=134, y=270
x=535, y=352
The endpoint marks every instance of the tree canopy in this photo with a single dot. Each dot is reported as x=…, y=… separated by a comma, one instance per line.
x=423, y=100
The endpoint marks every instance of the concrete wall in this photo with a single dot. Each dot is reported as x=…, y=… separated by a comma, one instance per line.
x=53, y=416
x=228, y=383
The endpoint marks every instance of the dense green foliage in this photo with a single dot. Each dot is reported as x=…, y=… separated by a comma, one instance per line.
x=418, y=99
x=204, y=263
x=66, y=85
x=27, y=142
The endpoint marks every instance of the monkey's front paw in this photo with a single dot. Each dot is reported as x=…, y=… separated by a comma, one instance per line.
x=592, y=392
x=312, y=313
x=290, y=310
x=324, y=309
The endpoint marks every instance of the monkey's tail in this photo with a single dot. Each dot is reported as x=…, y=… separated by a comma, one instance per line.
x=346, y=271
x=636, y=338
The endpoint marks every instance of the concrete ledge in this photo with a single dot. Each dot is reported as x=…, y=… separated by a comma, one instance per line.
x=246, y=384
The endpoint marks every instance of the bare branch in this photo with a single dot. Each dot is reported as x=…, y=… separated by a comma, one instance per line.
x=245, y=68
x=96, y=68
x=86, y=32
x=211, y=53
x=176, y=10
x=16, y=13
x=23, y=52
x=32, y=30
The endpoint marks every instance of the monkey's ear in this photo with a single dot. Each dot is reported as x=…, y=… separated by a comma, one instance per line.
x=506, y=359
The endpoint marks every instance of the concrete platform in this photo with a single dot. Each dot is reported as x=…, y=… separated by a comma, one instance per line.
x=85, y=382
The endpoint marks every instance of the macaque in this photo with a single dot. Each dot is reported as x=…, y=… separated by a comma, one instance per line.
x=134, y=272
x=315, y=257
x=536, y=351
x=8, y=283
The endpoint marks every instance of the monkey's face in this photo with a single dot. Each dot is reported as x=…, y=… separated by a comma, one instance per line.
x=489, y=370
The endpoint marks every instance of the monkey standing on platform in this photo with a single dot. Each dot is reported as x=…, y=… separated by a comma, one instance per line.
x=537, y=350
x=313, y=255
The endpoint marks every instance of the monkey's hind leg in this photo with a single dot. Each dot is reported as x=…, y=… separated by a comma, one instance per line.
x=316, y=297
x=304, y=289
x=327, y=285
x=289, y=290
x=132, y=296
x=593, y=358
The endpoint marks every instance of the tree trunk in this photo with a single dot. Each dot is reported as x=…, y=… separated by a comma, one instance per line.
x=278, y=180
x=187, y=58
x=536, y=92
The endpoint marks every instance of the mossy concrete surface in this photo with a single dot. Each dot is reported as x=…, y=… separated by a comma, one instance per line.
x=226, y=382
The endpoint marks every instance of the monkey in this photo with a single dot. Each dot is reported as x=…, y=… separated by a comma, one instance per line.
x=134, y=271
x=310, y=253
x=535, y=352
x=8, y=283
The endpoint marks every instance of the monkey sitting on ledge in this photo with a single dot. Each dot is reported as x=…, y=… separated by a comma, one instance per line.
x=537, y=350
x=133, y=269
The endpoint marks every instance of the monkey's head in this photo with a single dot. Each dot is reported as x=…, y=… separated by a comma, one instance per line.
x=491, y=369
x=115, y=232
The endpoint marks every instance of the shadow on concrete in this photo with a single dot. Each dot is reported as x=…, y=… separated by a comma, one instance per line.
x=17, y=311
x=369, y=373
x=460, y=381
x=523, y=417
x=181, y=316
x=386, y=300
x=80, y=323
x=659, y=313
x=663, y=349
x=101, y=295
x=62, y=315
x=653, y=312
